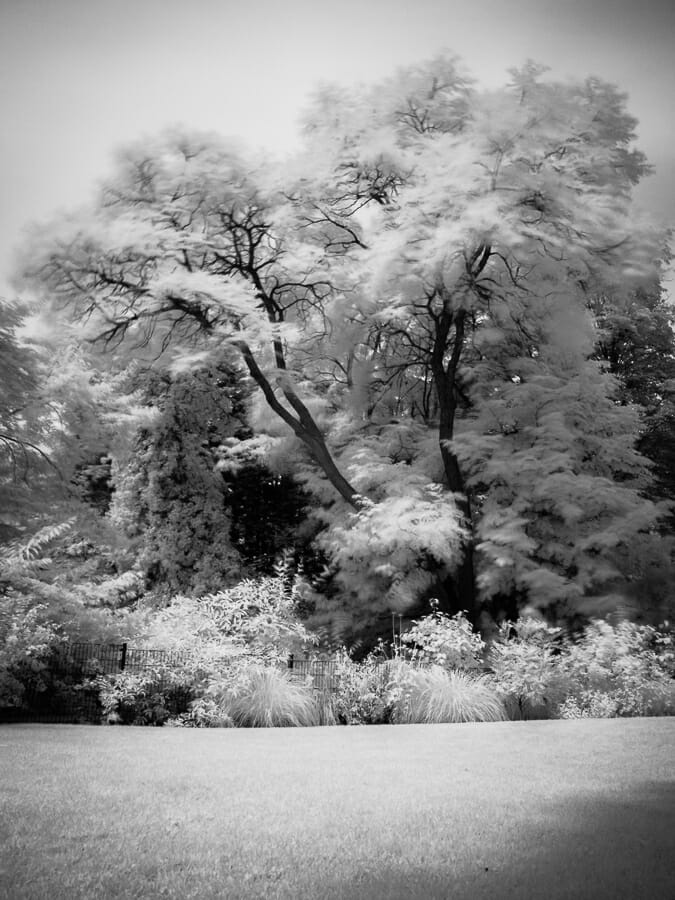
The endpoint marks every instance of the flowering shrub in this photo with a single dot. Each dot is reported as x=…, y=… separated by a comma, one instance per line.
x=525, y=664
x=445, y=641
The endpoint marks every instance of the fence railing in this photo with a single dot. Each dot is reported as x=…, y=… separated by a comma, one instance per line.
x=111, y=659
x=63, y=693
x=322, y=671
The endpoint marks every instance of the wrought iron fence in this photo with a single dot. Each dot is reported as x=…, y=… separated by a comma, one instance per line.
x=323, y=672
x=110, y=659
x=62, y=690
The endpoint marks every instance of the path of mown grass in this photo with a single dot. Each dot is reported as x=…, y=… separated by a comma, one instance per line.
x=523, y=810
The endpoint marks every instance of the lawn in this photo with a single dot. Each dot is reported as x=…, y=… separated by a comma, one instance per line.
x=526, y=810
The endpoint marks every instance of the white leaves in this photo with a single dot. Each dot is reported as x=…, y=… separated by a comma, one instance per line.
x=344, y=272
x=437, y=639
x=383, y=545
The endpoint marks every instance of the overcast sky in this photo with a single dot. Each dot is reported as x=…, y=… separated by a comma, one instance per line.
x=78, y=78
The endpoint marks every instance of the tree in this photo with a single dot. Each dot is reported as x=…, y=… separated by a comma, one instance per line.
x=637, y=345
x=60, y=415
x=24, y=424
x=411, y=300
x=168, y=494
x=268, y=512
x=492, y=230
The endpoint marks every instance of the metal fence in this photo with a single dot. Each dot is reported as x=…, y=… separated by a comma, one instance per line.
x=322, y=672
x=63, y=691
x=110, y=659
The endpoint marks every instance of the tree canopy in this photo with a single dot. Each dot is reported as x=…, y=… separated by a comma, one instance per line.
x=413, y=297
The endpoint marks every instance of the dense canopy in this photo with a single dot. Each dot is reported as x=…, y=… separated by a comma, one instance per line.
x=451, y=316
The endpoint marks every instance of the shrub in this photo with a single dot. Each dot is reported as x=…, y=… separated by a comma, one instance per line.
x=434, y=695
x=360, y=691
x=663, y=643
x=525, y=661
x=204, y=712
x=446, y=641
x=149, y=698
x=589, y=705
x=28, y=643
x=623, y=669
x=254, y=620
x=263, y=697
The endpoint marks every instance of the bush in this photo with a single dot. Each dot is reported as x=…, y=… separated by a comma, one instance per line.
x=525, y=662
x=263, y=697
x=624, y=669
x=433, y=695
x=360, y=693
x=254, y=620
x=28, y=644
x=589, y=705
x=150, y=698
x=445, y=641
x=204, y=712
x=610, y=670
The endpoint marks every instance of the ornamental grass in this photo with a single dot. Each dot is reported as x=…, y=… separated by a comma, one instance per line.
x=434, y=695
x=266, y=697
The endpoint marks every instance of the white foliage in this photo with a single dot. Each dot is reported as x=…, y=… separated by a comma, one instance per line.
x=383, y=546
x=413, y=201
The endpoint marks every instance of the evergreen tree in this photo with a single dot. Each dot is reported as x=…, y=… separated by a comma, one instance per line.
x=25, y=462
x=169, y=494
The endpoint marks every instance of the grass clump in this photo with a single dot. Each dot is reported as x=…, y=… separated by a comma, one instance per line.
x=435, y=695
x=265, y=697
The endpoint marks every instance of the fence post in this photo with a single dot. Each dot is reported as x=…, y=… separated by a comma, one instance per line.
x=123, y=658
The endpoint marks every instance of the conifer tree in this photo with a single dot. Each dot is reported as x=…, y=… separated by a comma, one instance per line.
x=169, y=495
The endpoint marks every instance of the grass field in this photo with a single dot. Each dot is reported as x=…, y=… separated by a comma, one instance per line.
x=553, y=809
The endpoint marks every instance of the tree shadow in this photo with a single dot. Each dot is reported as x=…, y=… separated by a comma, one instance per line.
x=606, y=847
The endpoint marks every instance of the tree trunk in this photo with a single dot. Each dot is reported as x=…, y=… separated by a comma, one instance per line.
x=461, y=587
x=303, y=426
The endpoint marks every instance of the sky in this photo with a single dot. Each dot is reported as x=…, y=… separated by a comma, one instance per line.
x=80, y=78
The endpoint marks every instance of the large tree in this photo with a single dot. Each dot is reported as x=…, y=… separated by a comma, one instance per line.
x=410, y=296
x=496, y=218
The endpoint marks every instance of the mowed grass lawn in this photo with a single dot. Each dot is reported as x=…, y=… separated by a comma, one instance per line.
x=574, y=809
